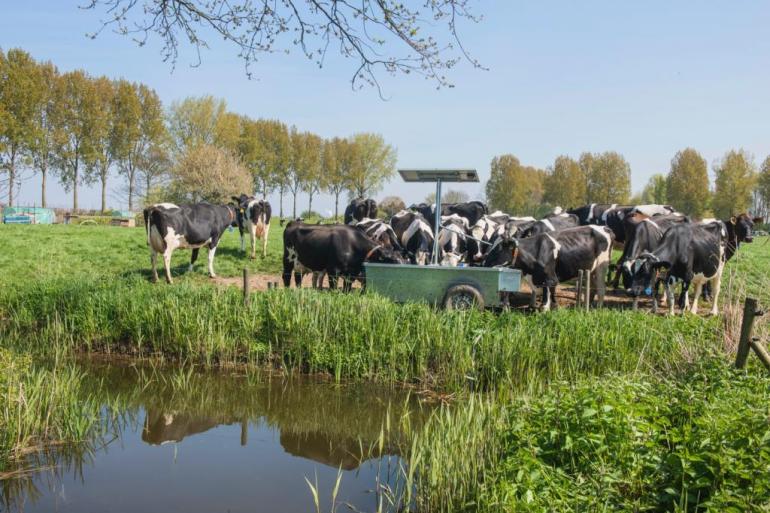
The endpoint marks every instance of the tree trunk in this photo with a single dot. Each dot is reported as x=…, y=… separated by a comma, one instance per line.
x=75, y=188
x=11, y=178
x=294, y=207
x=44, y=174
x=310, y=201
x=280, y=202
x=336, y=204
x=264, y=189
x=146, y=192
x=131, y=181
x=104, y=192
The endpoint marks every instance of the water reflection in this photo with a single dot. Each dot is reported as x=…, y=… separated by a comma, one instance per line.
x=226, y=441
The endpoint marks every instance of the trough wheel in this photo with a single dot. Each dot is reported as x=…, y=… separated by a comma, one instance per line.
x=463, y=297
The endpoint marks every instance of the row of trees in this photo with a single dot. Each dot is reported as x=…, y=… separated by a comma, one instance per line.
x=82, y=129
x=74, y=126
x=606, y=178
x=739, y=186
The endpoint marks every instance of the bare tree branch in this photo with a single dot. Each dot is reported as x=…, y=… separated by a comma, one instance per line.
x=381, y=35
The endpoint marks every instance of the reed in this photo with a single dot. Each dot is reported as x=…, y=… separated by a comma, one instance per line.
x=346, y=336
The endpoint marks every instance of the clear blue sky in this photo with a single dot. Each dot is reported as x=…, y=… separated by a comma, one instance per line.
x=644, y=79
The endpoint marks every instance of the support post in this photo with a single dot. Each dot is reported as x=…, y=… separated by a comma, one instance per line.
x=246, y=286
x=437, y=222
x=579, y=296
x=587, y=289
x=744, y=343
x=761, y=352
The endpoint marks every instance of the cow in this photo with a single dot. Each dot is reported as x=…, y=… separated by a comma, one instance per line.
x=550, y=224
x=380, y=231
x=614, y=214
x=253, y=217
x=553, y=257
x=452, y=240
x=515, y=226
x=360, y=209
x=739, y=229
x=171, y=226
x=642, y=233
x=690, y=253
x=471, y=210
x=415, y=235
x=482, y=236
x=337, y=250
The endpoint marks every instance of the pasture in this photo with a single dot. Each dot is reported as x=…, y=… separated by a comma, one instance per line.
x=534, y=396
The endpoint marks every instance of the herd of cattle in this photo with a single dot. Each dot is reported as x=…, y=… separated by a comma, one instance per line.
x=659, y=244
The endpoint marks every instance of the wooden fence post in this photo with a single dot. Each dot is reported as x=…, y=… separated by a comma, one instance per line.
x=762, y=353
x=587, y=289
x=744, y=343
x=246, y=286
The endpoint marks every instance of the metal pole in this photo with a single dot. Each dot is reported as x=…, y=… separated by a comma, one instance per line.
x=437, y=222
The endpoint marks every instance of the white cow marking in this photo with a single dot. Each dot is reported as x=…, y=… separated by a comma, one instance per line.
x=548, y=225
x=605, y=255
x=556, y=246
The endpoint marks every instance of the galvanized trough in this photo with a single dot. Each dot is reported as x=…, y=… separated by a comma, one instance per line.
x=449, y=287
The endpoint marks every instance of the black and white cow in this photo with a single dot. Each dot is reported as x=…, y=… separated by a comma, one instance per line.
x=690, y=253
x=337, y=250
x=552, y=257
x=415, y=235
x=739, y=229
x=482, y=236
x=171, y=227
x=642, y=234
x=614, y=214
x=253, y=217
x=553, y=223
x=381, y=232
x=470, y=210
x=452, y=240
x=360, y=209
x=516, y=226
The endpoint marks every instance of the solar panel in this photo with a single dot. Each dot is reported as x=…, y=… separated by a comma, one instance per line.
x=434, y=175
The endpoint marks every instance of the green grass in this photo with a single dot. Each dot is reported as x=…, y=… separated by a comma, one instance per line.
x=694, y=440
x=42, y=251
x=40, y=407
x=345, y=335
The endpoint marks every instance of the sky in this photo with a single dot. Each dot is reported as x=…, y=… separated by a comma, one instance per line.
x=645, y=79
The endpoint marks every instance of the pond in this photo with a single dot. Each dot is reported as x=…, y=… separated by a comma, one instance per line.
x=176, y=439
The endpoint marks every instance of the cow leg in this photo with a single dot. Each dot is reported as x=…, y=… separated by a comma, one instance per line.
x=167, y=263
x=264, y=239
x=288, y=267
x=716, y=285
x=253, y=240
x=212, y=252
x=193, y=258
x=298, y=279
x=696, y=296
x=332, y=280
x=154, y=264
x=546, y=300
x=243, y=245
x=347, y=283
x=670, y=298
x=684, y=297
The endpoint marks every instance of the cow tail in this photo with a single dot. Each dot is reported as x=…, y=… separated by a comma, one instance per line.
x=158, y=219
x=146, y=215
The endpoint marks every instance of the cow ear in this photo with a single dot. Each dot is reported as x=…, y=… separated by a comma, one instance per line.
x=732, y=220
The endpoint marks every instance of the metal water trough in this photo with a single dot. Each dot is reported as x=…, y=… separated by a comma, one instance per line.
x=450, y=287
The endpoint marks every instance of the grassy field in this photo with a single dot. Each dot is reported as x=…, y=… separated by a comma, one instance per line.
x=68, y=289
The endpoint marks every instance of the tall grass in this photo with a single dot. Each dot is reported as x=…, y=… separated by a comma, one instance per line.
x=697, y=440
x=40, y=407
x=347, y=336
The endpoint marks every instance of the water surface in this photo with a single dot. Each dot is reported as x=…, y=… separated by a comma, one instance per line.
x=210, y=441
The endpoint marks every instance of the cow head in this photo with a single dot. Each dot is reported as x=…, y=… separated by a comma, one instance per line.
x=502, y=252
x=641, y=273
x=385, y=255
x=742, y=227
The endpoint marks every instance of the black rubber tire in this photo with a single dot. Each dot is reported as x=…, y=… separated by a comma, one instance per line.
x=463, y=297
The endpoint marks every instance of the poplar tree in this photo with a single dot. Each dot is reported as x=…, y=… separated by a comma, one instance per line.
x=687, y=183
